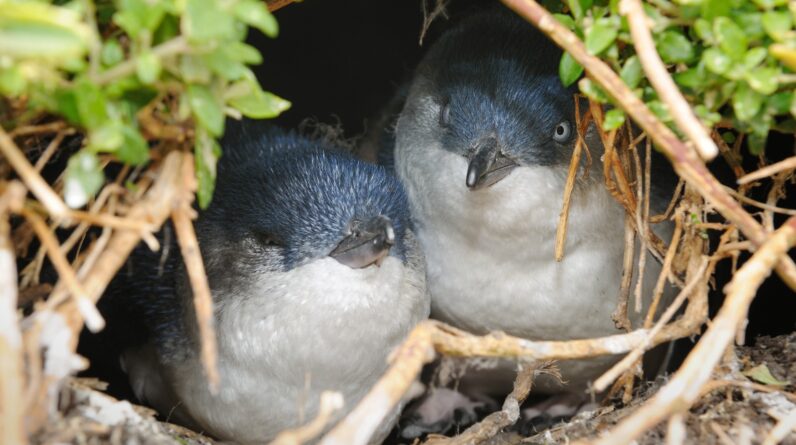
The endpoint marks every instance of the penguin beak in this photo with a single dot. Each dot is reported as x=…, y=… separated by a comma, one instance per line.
x=487, y=164
x=366, y=243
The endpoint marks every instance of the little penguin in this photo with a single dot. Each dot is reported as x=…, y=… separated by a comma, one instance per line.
x=315, y=276
x=483, y=146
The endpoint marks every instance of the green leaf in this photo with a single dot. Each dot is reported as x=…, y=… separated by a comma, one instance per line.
x=206, y=154
x=768, y=4
x=134, y=150
x=715, y=8
x=206, y=108
x=565, y=20
x=12, y=82
x=108, y=137
x=225, y=66
x=763, y=80
x=255, y=103
x=135, y=16
x=709, y=118
x=631, y=72
x=83, y=178
x=241, y=52
x=659, y=109
x=704, y=30
x=147, y=67
x=592, y=90
x=112, y=52
x=614, y=118
x=756, y=143
x=716, y=61
x=91, y=104
x=746, y=102
x=777, y=24
x=194, y=69
x=255, y=13
x=785, y=54
x=66, y=104
x=780, y=103
x=754, y=57
x=579, y=7
x=690, y=78
x=205, y=21
x=674, y=47
x=600, y=36
x=730, y=36
x=40, y=41
x=569, y=70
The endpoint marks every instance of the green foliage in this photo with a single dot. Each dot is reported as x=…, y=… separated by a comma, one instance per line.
x=734, y=60
x=99, y=65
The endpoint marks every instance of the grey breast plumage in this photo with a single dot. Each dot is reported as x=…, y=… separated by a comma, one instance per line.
x=315, y=275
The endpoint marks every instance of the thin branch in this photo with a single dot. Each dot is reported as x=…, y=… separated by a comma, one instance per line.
x=51, y=201
x=609, y=376
x=781, y=430
x=331, y=402
x=685, y=161
x=685, y=386
x=89, y=312
x=769, y=170
x=563, y=217
x=659, y=77
x=12, y=382
x=202, y=301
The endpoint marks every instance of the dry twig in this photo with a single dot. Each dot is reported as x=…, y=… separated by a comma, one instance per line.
x=202, y=300
x=331, y=402
x=781, y=430
x=769, y=170
x=660, y=79
x=37, y=185
x=685, y=386
x=12, y=414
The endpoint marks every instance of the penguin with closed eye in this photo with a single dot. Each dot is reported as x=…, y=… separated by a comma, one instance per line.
x=315, y=274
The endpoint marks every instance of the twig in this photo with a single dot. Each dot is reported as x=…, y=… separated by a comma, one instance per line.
x=687, y=164
x=769, y=170
x=52, y=202
x=672, y=203
x=684, y=387
x=50, y=127
x=202, y=301
x=609, y=376
x=331, y=401
x=619, y=316
x=660, y=79
x=89, y=312
x=52, y=147
x=508, y=415
x=717, y=384
x=675, y=434
x=359, y=425
x=760, y=205
x=563, y=217
x=666, y=268
x=12, y=383
x=781, y=430
x=181, y=216
x=274, y=5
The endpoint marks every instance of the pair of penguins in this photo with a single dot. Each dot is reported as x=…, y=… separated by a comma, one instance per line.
x=320, y=264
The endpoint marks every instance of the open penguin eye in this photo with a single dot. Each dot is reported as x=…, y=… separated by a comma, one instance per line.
x=445, y=114
x=562, y=132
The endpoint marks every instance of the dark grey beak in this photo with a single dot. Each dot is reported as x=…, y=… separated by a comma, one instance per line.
x=487, y=164
x=366, y=243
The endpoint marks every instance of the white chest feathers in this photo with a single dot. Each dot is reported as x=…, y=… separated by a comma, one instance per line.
x=289, y=336
x=490, y=253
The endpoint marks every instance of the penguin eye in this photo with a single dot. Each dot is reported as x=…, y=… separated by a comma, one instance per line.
x=445, y=115
x=562, y=132
x=268, y=239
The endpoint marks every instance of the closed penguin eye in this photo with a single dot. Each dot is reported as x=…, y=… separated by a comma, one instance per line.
x=445, y=115
x=562, y=131
x=268, y=239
